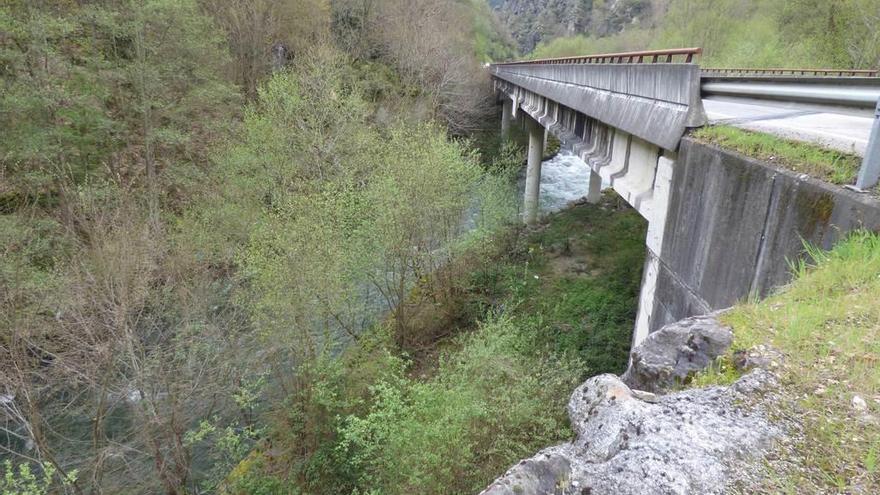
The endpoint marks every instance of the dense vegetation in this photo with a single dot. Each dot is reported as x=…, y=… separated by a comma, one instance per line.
x=732, y=33
x=481, y=377
x=186, y=236
x=264, y=246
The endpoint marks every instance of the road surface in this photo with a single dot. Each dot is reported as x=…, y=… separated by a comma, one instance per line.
x=839, y=131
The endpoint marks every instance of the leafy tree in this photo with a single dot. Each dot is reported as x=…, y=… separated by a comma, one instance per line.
x=254, y=28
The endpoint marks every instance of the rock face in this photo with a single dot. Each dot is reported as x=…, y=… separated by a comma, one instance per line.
x=668, y=356
x=533, y=21
x=633, y=442
x=690, y=442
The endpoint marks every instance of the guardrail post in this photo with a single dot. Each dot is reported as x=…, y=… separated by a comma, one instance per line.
x=869, y=175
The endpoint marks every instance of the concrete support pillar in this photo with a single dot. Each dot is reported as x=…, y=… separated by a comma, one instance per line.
x=594, y=194
x=654, y=242
x=533, y=170
x=506, y=116
x=647, y=294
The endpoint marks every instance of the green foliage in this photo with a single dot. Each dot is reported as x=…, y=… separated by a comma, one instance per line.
x=250, y=478
x=588, y=313
x=331, y=221
x=569, y=46
x=170, y=255
x=22, y=480
x=89, y=90
x=732, y=34
x=238, y=304
x=826, y=323
x=751, y=33
x=228, y=446
x=337, y=215
x=722, y=371
x=490, y=43
x=31, y=248
x=488, y=404
x=507, y=161
x=816, y=161
x=382, y=421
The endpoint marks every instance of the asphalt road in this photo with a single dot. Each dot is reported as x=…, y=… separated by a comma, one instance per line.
x=840, y=131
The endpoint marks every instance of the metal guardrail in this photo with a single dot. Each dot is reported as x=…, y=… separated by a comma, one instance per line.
x=792, y=72
x=859, y=90
x=685, y=55
x=852, y=91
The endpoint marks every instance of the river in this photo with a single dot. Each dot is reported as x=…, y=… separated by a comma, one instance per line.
x=564, y=178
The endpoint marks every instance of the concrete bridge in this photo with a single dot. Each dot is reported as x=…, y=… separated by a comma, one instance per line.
x=721, y=226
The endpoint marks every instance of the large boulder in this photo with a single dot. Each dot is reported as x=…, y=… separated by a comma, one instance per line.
x=670, y=355
x=690, y=442
x=632, y=441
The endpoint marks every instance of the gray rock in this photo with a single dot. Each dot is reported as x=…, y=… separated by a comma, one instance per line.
x=645, y=396
x=548, y=473
x=690, y=442
x=668, y=356
x=754, y=384
x=759, y=356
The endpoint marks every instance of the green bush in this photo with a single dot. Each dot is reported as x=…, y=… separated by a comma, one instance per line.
x=489, y=404
x=22, y=480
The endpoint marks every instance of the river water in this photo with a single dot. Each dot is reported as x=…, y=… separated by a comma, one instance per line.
x=564, y=178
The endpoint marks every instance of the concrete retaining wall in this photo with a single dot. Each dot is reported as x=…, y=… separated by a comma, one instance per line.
x=733, y=224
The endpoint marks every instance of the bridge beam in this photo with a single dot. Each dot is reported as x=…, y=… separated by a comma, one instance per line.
x=533, y=170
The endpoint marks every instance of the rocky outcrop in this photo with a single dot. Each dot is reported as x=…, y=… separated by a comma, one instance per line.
x=690, y=442
x=629, y=442
x=670, y=355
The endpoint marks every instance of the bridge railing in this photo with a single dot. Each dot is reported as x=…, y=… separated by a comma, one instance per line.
x=677, y=55
x=829, y=90
x=745, y=71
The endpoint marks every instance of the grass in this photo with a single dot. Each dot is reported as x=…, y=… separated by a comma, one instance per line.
x=828, y=165
x=576, y=280
x=827, y=323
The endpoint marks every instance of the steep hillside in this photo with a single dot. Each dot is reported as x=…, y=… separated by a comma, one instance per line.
x=533, y=21
x=744, y=33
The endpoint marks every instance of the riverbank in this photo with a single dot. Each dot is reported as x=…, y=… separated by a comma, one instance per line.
x=479, y=378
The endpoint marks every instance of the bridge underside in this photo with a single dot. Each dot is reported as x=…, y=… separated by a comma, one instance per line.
x=623, y=161
x=630, y=165
x=720, y=226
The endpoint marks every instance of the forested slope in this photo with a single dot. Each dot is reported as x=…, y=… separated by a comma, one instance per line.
x=739, y=33
x=185, y=233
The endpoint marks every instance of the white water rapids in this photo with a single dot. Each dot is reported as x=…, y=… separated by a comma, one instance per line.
x=564, y=178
